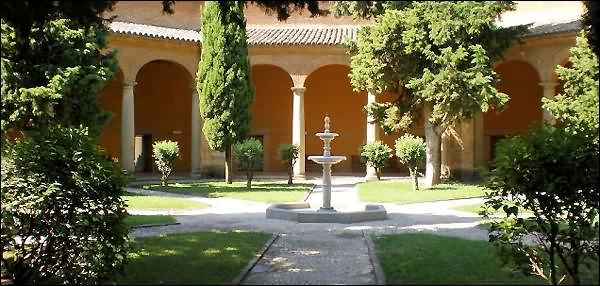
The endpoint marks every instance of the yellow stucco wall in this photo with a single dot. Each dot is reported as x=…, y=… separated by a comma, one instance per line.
x=328, y=90
x=110, y=100
x=272, y=112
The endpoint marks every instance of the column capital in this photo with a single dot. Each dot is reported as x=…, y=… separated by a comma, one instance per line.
x=548, y=84
x=129, y=83
x=298, y=89
x=372, y=92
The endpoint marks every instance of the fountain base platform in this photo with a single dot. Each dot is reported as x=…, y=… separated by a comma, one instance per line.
x=301, y=212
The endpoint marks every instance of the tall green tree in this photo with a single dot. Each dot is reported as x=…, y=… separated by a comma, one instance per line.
x=57, y=79
x=223, y=79
x=576, y=108
x=438, y=56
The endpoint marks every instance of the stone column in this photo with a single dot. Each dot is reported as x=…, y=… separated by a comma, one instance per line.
x=128, y=128
x=196, y=132
x=372, y=134
x=298, y=132
x=549, y=91
x=468, y=154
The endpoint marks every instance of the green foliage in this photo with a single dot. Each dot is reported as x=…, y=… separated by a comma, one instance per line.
x=576, y=108
x=57, y=80
x=284, y=9
x=438, y=53
x=249, y=154
x=410, y=150
x=438, y=56
x=554, y=174
x=366, y=9
x=224, y=75
x=376, y=155
x=288, y=154
x=165, y=154
x=62, y=212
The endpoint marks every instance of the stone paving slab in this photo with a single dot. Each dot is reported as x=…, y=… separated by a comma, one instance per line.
x=314, y=259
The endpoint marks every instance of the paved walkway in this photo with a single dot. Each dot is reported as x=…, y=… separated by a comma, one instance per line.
x=320, y=253
x=322, y=258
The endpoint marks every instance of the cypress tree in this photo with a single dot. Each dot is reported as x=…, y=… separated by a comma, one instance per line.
x=223, y=79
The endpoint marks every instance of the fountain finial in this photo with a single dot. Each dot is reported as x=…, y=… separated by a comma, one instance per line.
x=326, y=123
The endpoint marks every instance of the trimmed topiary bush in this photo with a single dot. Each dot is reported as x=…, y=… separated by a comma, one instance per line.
x=165, y=155
x=249, y=154
x=410, y=151
x=62, y=212
x=288, y=154
x=375, y=155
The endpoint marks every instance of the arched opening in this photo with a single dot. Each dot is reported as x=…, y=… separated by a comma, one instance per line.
x=110, y=101
x=328, y=91
x=163, y=99
x=272, y=112
x=520, y=81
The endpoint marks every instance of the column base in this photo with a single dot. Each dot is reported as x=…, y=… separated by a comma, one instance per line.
x=329, y=209
x=370, y=177
x=196, y=174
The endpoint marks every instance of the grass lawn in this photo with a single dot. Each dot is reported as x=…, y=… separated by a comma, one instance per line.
x=137, y=201
x=400, y=191
x=431, y=259
x=267, y=192
x=191, y=258
x=135, y=220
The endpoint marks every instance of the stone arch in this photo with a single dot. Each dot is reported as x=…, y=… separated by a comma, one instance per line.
x=272, y=112
x=163, y=102
x=328, y=91
x=110, y=101
x=521, y=82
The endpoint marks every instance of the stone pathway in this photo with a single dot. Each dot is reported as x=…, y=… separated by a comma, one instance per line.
x=314, y=259
x=321, y=253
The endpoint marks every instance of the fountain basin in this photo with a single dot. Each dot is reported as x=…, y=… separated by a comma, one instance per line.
x=301, y=212
x=327, y=159
x=326, y=135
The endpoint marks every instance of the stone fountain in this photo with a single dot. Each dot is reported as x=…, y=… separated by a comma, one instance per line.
x=327, y=160
x=301, y=211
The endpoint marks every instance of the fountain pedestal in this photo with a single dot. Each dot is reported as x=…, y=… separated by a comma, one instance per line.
x=327, y=160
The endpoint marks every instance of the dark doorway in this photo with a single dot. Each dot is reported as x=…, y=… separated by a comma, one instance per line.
x=147, y=152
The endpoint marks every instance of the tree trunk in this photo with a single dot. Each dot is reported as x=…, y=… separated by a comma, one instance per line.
x=228, y=165
x=290, y=171
x=433, y=140
x=378, y=174
x=416, y=179
x=249, y=176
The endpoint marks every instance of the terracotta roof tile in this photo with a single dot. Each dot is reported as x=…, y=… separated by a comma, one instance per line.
x=155, y=31
x=555, y=28
x=295, y=34
x=257, y=35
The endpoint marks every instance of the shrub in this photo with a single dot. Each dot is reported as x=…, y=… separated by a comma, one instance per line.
x=554, y=174
x=288, y=154
x=165, y=154
x=249, y=155
x=62, y=212
x=375, y=155
x=410, y=151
